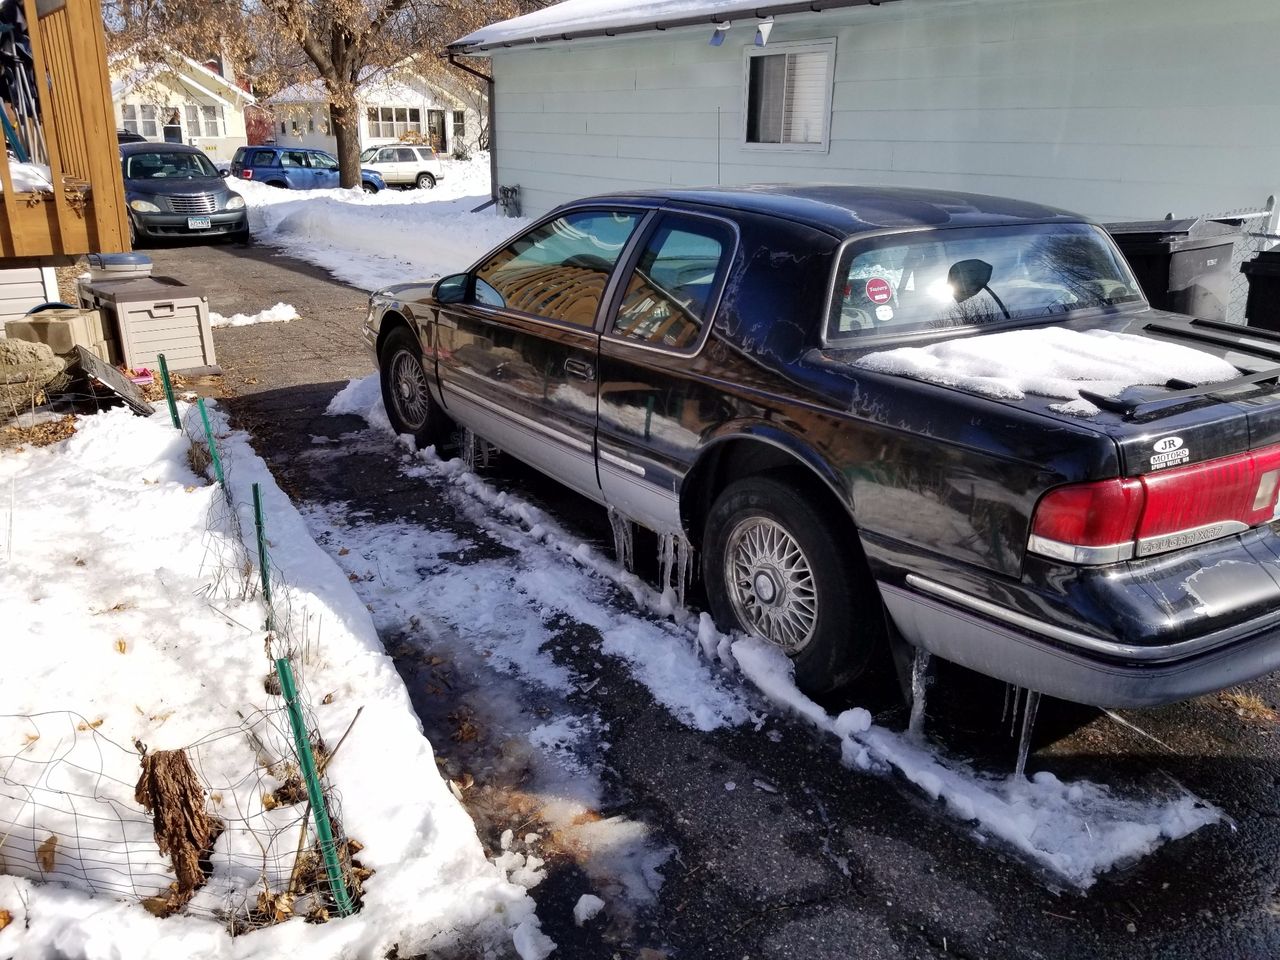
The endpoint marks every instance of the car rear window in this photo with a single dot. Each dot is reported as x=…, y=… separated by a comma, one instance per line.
x=966, y=277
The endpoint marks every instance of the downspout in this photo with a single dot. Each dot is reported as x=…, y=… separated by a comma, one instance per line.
x=493, y=127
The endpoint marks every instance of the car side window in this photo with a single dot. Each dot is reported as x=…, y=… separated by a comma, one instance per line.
x=323, y=161
x=386, y=156
x=558, y=270
x=293, y=158
x=264, y=158
x=671, y=291
x=405, y=155
x=426, y=154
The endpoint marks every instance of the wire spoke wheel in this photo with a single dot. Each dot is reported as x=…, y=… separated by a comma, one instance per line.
x=770, y=584
x=409, y=390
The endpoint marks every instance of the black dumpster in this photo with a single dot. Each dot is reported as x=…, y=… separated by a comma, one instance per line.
x=1262, y=309
x=1183, y=265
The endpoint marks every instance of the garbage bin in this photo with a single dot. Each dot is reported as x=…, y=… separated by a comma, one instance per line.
x=1183, y=265
x=1262, y=309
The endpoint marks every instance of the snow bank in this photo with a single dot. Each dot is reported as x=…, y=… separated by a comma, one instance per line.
x=30, y=177
x=1051, y=362
x=112, y=573
x=373, y=240
x=1076, y=830
x=280, y=313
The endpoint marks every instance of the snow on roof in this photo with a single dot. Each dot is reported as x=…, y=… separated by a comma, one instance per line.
x=374, y=82
x=1053, y=362
x=572, y=18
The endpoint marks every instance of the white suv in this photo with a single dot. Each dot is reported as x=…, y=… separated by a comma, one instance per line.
x=405, y=165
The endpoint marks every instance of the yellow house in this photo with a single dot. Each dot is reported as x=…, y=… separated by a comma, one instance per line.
x=179, y=100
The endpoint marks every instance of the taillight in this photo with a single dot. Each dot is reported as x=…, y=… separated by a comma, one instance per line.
x=247, y=173
x=1108, y=520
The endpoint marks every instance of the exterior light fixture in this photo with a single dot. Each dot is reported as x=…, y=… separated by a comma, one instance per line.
x=718, y=34
x=763, y=29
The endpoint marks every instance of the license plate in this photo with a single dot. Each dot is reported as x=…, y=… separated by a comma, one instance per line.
x=199, y=223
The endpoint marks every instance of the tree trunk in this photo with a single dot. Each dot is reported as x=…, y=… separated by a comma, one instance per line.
x=345, y=122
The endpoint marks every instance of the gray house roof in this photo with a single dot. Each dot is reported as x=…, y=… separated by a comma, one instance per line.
x=573, y=19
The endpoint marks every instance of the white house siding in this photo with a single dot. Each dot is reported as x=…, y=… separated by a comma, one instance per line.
x=1115, y=109
x=24, y=288
x=168, y=92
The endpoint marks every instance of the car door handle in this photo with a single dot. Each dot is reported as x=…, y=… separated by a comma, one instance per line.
x=580, y=369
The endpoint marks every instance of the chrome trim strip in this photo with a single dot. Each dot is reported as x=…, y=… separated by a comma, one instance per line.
x=1111, y=648
x=1189, y=538
x=1072, y=553
x=466, y=396
x=620, y=462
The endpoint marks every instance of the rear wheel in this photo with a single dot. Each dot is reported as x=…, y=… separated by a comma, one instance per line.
x=406, y=390
x=774, y=570
x=426, y=181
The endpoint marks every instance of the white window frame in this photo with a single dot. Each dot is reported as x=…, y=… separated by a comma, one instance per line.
x=139, y=121
x=826, y=45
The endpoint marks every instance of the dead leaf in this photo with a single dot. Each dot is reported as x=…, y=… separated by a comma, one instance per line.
x=45, y=853
x=353, y=578
x=79, y=562
x=122, y=646
x=91, y=725
x=435, y=661
x=269, y=801
x=6, y=918
x=216, y=798
x=343, y=552
x=189, y=489
x=328, y=699
x=30, y=739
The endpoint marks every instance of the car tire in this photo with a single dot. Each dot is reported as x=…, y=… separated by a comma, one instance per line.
x=406, y=393
x=368, y=187
x=774, y=569
x=426, y=181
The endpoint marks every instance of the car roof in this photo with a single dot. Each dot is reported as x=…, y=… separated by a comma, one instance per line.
x=845, y=210
x=151, y=146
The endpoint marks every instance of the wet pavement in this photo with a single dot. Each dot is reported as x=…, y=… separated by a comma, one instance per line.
x=835, y=863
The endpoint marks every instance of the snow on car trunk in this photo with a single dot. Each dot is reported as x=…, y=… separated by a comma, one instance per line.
x=131, y=632
x=374, y=240
x=1051, y=362
x=1076, y=830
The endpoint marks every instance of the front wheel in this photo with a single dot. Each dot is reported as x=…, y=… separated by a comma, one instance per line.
x=369, y=187
x=774, y=570
x=406, y=390
x=426, y=181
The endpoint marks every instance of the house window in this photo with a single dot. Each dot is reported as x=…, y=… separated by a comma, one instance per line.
x=204, y=121
x=392, y=123
x=789, y=94
x=140, y=119
x=459, y=126
x=282, y=127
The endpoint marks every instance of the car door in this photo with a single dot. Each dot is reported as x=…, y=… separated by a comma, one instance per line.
x=652, y=405
x=517, y=362
x=385, y=163
x=406, y=165
x=297, y=172
x=324, y=170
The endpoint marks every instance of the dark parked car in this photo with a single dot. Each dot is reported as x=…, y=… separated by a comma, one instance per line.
x=701, y=361
x=296, y=168
x=175, y=191
x=128, y=136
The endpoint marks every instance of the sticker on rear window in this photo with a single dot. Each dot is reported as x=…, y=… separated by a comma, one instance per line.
x=884, y=314
x=1169, y=452
x=878, y=290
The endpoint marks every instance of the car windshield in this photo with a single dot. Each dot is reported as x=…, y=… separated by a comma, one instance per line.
x=167, y=165
x=948, y=278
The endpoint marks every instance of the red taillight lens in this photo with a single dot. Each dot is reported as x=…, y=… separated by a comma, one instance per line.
x=247, y=173
x=1109, y=520
x=1090, y=514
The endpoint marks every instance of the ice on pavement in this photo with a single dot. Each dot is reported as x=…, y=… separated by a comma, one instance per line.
x=1077, y=830
x=586, y=908
x=1051, y=362
x=280, y=313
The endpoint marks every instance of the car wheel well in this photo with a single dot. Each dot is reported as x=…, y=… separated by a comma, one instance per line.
x=735, y=459
x=390, y=321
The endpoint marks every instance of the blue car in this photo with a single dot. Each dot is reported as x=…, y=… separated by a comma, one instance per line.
x=296, y=168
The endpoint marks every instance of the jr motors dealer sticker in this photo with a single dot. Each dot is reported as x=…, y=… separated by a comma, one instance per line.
x=1169, y=452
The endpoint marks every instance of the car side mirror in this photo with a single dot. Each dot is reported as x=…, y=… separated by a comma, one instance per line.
x=968, y=278
x=224, y=174
x=452, y=289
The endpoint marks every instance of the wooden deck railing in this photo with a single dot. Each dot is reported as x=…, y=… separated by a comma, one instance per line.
x=84, y=212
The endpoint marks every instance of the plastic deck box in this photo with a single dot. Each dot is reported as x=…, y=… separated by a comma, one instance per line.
x=155, y=315
x=64, y=330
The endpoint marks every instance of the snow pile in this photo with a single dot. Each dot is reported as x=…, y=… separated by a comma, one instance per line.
x=110, y=569
x=1051, y=362
x=393, y=236
x=1078, y=830
x=30, y=177
x=280, y=313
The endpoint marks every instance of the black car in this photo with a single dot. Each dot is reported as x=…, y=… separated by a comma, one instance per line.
x=174, y=190
x=728, y=366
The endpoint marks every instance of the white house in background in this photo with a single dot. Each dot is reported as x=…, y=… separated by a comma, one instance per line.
x=180, y=101
x=391, y=105
x=1118, y=110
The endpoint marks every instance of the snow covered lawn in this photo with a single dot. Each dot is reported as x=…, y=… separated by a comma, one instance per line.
x=128, y=623
x=372, y=240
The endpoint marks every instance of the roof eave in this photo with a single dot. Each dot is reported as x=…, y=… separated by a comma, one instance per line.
x=767, y=10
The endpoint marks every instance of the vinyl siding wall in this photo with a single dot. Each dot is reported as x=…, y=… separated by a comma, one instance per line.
x=1119, y=110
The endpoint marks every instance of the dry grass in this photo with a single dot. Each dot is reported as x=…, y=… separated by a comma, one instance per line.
x=1247, y=705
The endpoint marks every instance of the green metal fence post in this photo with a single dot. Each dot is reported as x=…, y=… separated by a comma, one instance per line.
x=307, y=761
x=213, y=445
x=264, y=562
x=168, y=392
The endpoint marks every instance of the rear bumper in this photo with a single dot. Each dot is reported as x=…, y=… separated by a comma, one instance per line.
x=1074, y=666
